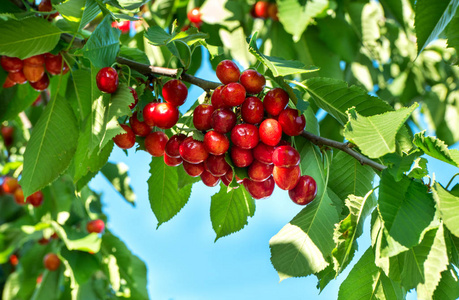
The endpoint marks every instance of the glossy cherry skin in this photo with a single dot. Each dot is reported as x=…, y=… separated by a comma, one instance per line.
x=17, y=77
x=41, y=84
x=193, y=151
x=165, y=115
x=18, y=196
x=53, y=64
x=252, y=110
x=275, y=101
x=135, y=96
x=11, y=64
x=8, y=83
x=9, y=185
x=292, y=121
x=95, y=226
x=227, y=71
x=259, y=171
x=172, y=161
x=241, y=157
x=217, y=165
x=233, y=94
x=139, y=128
x=33, y=73
x=125, y=140
x=286, y=156
x=223, y=120
x=245, y=136
x=305, y=191
x=173, y=145
x=148, y=113
x=155, y=143
x=202, y=117
x=36, y=60
x=260, y=9
x=270, y=132
x=209, y=179
x=124, y=26
x=252, y=81
x=175, y=92
x=107, y=80
x=216, y=143
x=263, y=153
x=194, y=15
x=194, y=170
x=217, y=99
x=259, y=189
x=286, y=178
x=51, y=262
x=36, y=199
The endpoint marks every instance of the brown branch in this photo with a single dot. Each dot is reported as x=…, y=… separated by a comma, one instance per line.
x=18, y=3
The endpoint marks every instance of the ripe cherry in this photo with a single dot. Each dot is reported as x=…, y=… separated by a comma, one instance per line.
x=252, y=110
x=51, y=262
x=7, y=134
x=36, y=60
x=95, y=226
x=286, y=178
x=14, y=261
x=245, y=136
x=270, y=132
x=272, y=11
x=202, y=117
x=217, y=99
x=53, y=64
x=260, y=9
x=41, y=84
x=17, y=77
x=11, y=64
x=148, y=112
x=252, y=81
x=223, y=120
x=33, y=73
x=107, y=80
x=19, y=196
x=155, y=143
x=275, y=101
x=173, y=145
x=194, y=170
x=135, y=96
x=139, y=128
x=217, y=165
x=292, y=121
x=165, y=115
x=175, y=92
x=286, y=156
x=10, y=185
x=194, y=16
x=216, y=143
x=209, y=179
x=259, y=189
x=233, y=94
x=227, y=71
x=305, y=191
x=125, y=140
x=172, y=161
x=8, y=83
x=36, y=199
x=241, y=157
x=124, y=26
x=193, y=151
x=259, y=171
x=45, y=5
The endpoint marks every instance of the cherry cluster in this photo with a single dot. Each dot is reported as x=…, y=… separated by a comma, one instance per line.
x=265, y=10
x=10, y=186
x=34, y=69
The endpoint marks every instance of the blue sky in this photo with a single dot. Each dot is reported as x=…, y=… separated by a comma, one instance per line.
x=182, y=259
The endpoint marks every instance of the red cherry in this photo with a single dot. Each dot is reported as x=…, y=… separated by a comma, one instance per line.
x=305, y=191
x=228, y=177
x=202, y=117
x=261, y=9
x=216, y=143
x=286, y=156
x=41, y=84
x=165, y=115
x=155, y=143
x=286, y=178
x=125, y=140
x=175, y=92
x=193, y=151
x=217, y=165
x=292, y=121
x=139, y=128
x=124, y=26
x=270, y=132
x=173, y=145
x=17, y=77
x=275, y=101
x=7, y=132
x=259, y=171
x=53, y=64
x=194, y=15
x=33, y=73
x=172, y=161
x=217, y=99
x=36, y=60
x=245, y=136
x=272, y=11
x=148, y=112
x=8, y=83
x=252, y=110
x=252, y=81
x=241, y=157
x=223, y=120
x=51, y=262
x=107, y=80
x=36, y=199
x=194, y=170
x=263, y=153
x=95, y=226
x=259, y=189
x=43, y=241
x=209, y=179
x=45, y=5
x=233, y=94
x=11, y=64
x=10, y=185
x=14, y=260
x=19, y=196
x=136, y=98
x=227, y=71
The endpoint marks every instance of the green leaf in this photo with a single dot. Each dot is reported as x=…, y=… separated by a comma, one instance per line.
x=395, y=7
x=77, y=240
x=452, y=33
x=131, y=4
x=406, y=208
x=83, y=264
x=367, y=281
x=229, y=211
x=184, y=179
x=46, y=155
x=448, y=206
x=335, y=97
x=79, y=12
x=431, y=18
x=419, y=170
x=278, y=66
x=16, y=99
x=28, y=37
x=436, y=148
x=103, y=44
x=95, y=124
x=375, y=135
x=398, y=165
x=166, y=199
x=83, y=91
x=448, y=288
x=50, y=286
x=117, y=175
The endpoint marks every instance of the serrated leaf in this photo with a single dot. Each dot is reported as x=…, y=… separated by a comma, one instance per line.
x=79, y=12
x=419, y=169
x=103, y=44
x=436, y=148
x=375, y=135
x=184, y=179
x=82, y=91
x=156, y=36
x=46, y=155
x=448, y=288
x=399, y=164
x=229, y=211
x=406, y=208
x=95, y=123
x=28, y=37
x=166, y=199
x=278, y=66
x=117, y=175
x=431, y=18
x=84, y=162
x=77, y=240
x=16, y=99
x=448, y=206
